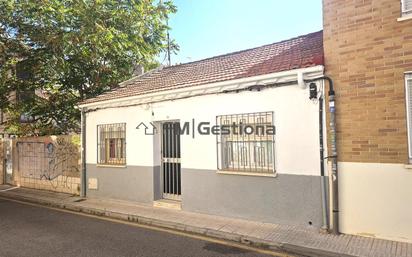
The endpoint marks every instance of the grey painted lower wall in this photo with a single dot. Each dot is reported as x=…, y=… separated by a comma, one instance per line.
x=132, y=183
x=286, y=199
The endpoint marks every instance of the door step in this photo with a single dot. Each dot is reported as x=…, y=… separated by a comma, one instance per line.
x=168, y=204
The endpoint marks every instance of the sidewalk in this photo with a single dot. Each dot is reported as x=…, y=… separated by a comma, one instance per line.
x=271, y=236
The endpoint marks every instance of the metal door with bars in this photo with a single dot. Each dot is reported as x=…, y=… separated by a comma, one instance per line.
x=172, y=187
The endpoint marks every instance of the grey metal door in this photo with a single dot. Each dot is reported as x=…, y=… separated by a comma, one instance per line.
x=171, y=167
x=8, y=161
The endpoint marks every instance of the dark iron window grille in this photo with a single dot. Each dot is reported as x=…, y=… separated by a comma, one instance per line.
x=111, y=144
x=246, y=152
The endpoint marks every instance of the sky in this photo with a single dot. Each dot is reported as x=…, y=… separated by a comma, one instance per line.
x=206, y=28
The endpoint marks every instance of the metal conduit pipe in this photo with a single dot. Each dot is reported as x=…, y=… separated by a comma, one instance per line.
x=83, y=177
x=333, y=156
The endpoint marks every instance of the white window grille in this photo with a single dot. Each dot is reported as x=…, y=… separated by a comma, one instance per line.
x=111, y=144
x=408, y=90
x=248, y=143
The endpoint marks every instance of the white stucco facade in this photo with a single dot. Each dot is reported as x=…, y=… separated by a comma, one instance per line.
x=295, y=118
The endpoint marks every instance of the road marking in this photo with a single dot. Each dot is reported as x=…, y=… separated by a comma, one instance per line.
x=170, y=231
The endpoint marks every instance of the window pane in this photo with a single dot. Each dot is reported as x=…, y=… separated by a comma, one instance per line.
x=407, y=6
x=111, y=144
x=112, y=148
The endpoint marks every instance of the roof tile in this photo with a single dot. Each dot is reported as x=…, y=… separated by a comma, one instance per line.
x=300, y=52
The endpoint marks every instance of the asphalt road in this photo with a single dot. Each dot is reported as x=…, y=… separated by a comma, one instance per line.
x=27, y=230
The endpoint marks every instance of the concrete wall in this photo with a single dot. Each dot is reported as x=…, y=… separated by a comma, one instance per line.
x=375, y=200
x=132, y=183
x=286, y=199
x=57, y=169
x=295, y=118
x=293, y=197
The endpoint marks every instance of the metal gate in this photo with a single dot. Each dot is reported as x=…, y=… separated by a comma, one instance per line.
x=172, y=186
x=47, y=163
x=36, y=160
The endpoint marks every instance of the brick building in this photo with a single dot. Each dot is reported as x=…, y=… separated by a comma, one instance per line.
x=368, y=54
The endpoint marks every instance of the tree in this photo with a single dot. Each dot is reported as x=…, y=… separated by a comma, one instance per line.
x=72, y=50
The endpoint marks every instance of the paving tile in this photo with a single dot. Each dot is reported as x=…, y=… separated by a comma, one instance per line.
x=333, y=243
x=359, y=246
x=383, y=248
x=262, y=231
x=239, y=227
x=403, y=249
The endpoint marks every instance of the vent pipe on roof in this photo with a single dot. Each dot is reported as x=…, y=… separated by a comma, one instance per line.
x=138, y=70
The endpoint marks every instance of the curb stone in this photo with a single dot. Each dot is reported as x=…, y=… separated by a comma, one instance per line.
x=312, y=252
x=242, y=239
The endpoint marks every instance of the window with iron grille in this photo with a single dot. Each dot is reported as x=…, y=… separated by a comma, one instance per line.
x=246, y=143
x=406, y=7
x=408, y=90
x=111, y=144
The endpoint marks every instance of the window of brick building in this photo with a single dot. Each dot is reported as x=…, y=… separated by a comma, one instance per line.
x=111, y=144
x=406, y=7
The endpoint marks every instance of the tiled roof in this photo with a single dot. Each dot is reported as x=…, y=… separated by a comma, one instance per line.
x=300, y=52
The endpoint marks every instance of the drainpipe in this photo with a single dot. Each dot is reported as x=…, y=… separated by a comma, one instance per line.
x=83, y=172
x=334, y=156
x=324, y=182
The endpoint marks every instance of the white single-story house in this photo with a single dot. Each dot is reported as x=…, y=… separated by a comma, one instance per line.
x=235, y=135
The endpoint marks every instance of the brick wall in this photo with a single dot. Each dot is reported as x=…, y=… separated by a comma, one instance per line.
x=367, y=52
